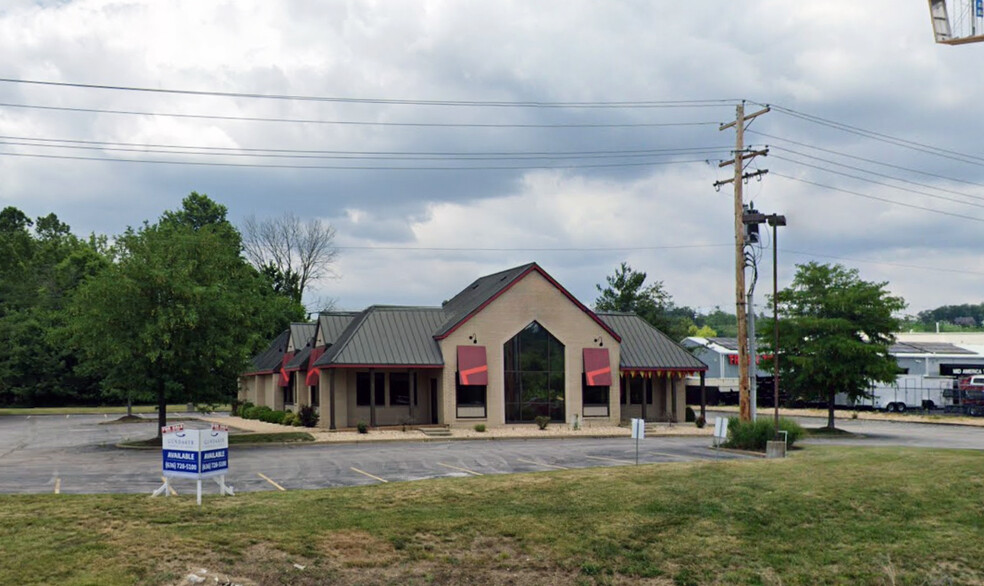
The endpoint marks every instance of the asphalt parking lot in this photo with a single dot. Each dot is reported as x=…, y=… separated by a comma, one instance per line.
x=77, y=454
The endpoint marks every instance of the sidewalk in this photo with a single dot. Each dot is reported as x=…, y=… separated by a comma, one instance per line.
x=531, y=431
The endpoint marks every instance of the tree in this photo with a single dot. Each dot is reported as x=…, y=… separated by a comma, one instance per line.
x=626, y=291
x=37, y=272
x=294, y=252
x=835, y=331
x=178, y=313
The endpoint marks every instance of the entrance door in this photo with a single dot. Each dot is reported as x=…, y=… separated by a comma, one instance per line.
x=433, y=401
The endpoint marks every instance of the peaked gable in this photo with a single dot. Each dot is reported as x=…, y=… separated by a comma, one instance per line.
x=474, y=298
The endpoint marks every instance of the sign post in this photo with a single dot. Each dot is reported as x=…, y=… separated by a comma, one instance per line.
x=638, y=433
x=194, y=453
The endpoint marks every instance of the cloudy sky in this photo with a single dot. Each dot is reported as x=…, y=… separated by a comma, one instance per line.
x=445, y=140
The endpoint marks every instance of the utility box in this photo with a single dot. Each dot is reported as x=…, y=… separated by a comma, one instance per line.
x=775, y=449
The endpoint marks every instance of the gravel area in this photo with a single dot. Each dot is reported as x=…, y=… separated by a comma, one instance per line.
x=506, y=432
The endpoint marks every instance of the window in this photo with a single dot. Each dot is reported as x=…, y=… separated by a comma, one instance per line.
x=315, y=398
x=595, y=399
x=362, y=389
x=289, y=390
x=399, y=388
x=470, y=400
x=534, y=375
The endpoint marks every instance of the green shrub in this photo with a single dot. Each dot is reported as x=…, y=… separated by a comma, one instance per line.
x=242, y=408
x=753, y=435
x=270, y=416
x=307, y=416
x=296, y=422
x=256, y=412
x=480, y=427
x=362, y=427
x=689, y=415
x=542, y=421
x=288, y=419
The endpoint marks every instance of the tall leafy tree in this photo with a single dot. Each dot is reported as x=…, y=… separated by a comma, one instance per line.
x=627, y=291
x=39, y=268
x=178, y=313
x=835, y=330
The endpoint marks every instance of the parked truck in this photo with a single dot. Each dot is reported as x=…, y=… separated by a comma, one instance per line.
x=966, y=396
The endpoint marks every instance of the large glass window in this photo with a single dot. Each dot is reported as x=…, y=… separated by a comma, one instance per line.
x=362, y=389
x=399, y=388
x=534, y=375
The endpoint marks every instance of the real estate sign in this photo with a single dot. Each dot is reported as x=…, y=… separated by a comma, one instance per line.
x=195, y=453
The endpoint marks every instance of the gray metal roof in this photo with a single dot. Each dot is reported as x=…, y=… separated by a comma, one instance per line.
x=333, y=323
x=928, y=348
x=645, y=347
x=300, y=359
x=270, y=358
x=729, y=343
x=389, y=336
x=301, y=334
x=475, y=295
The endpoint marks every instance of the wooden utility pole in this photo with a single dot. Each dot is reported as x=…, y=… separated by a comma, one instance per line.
x=740, y=305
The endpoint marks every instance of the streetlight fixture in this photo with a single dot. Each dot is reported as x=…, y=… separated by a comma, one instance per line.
x=775, y=220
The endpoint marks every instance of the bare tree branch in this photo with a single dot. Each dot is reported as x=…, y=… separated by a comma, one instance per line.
x=295, y=247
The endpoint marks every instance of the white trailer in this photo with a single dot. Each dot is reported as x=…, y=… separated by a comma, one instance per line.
x=909, y=391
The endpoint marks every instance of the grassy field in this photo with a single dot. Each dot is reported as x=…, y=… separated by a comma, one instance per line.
x=176, y=409
x=824, y=515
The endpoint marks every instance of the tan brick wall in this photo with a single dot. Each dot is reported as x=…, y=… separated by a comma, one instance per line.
x=532, y=299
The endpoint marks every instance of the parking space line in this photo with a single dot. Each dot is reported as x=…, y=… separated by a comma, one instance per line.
x=67, y=416
x=364, y=473
x=610, y=459
x=668, y=455
x=267, y=478
x=542, y=464
x=169, y=487
x=472, y=472
x=57, y=485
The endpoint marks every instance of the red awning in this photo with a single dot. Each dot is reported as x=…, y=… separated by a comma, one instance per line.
x=472, y=366
x=314, y=373
x=597, y=367
x=284, y=377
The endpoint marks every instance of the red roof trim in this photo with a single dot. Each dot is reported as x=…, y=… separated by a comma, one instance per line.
x=653, y=369
x=400, y=366
x=519, y=278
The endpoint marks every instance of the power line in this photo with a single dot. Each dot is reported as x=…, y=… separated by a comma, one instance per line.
x=893, y=140
x=859, y=178
x=353, y=167
x=961, y=271
x=876, y=198
x=361, y=122
x=866, y=160
x=527, y=249
x=299, y=153
x=387, y=101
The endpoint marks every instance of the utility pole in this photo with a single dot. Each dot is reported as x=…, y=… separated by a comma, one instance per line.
x=741, y=156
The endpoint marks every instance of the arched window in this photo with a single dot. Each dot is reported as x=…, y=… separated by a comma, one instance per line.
x=534, y=375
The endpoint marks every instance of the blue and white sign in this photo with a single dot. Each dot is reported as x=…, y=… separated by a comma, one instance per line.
x=195, y=453
x=979, y=6
x=214, y=451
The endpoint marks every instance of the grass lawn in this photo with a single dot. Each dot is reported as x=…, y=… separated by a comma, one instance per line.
x=177, y=409
x=824, y=515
